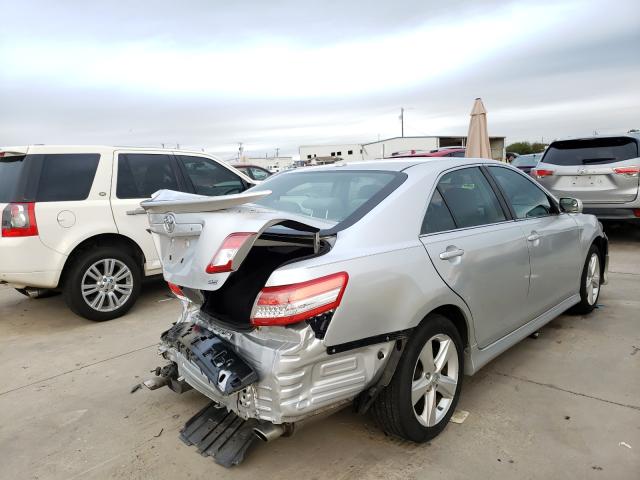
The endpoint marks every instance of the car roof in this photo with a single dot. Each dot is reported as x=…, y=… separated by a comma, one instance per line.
x=43, y=148
x=397, y=165
x=633, y=135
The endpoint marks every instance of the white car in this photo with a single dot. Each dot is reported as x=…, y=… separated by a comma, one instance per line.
x=71, y=218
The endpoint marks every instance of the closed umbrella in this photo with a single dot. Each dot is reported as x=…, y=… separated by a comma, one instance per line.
x=478, y=137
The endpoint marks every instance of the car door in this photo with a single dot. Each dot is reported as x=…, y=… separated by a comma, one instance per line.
x=478, y=251
x=138, y=175
x=553, y=239
x=206, y=176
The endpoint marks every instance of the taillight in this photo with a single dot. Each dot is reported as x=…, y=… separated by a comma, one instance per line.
x=301, y=301
x=222, y=261
x=176, y=290
x=541, y=173
x=19, y=220
x=636, y=212
x=628, y=171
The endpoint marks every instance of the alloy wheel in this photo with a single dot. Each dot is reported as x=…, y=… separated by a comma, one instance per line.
x=435, y=380
x=107, y=284
x=593, y=279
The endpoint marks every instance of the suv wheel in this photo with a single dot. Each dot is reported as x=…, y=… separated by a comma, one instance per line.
x=102, y=284
x=589, y=283
x=425, y=388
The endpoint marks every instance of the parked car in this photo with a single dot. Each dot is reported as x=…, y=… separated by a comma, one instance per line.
x=377, y=282
x=438, y=152
x=526, y=162
x=254, y=172
x=602, y=171
x=71, y=218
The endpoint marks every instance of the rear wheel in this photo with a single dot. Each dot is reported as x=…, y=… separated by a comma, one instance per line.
x=425, y=388
x=589, y=283
x=102, y=284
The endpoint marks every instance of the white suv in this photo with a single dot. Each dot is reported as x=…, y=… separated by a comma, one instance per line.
x=71, y=218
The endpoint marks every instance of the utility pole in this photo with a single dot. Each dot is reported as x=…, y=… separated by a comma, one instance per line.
x=277, y=152
x=240, y=151
x=402, y=122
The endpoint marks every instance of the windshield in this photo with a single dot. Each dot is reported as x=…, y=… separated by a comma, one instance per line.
x=328, y=195
x=591, y=151
x=526, y=160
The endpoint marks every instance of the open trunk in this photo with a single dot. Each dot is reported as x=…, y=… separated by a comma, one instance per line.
x=189, y=230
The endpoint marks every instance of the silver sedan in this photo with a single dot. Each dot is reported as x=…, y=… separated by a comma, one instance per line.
x=379, y=283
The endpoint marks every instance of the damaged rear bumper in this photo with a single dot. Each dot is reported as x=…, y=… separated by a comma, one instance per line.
x=271, y=374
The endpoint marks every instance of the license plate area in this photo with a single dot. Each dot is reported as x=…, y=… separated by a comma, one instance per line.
x=216, y=359
x=587, y=181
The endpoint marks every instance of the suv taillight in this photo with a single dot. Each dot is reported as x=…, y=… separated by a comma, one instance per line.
x=19, y=220
x=289, y=304
x=628, y=171
x=541, y=173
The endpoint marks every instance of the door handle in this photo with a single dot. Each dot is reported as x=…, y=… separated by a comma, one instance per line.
x=137, y=211
x=534, y=236
x=452, y=253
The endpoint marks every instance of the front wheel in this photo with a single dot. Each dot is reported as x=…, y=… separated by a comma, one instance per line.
x=102, y=284
x=589, y=283
x=425, y=388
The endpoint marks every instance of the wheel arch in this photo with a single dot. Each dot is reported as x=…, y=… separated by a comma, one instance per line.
x=104, y=240
x=458, y=318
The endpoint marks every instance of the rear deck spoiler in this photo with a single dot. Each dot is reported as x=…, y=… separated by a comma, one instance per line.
x=165, y=201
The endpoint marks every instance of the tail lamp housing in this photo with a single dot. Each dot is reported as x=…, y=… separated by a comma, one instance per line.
x=288, y=304
x=222, y=261
x=19, y=220
x=541, y=173
x=628, y=171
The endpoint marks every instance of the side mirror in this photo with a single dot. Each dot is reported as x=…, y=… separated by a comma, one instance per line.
x=571, y=205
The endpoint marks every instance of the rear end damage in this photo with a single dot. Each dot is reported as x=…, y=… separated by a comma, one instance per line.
x=253, y=348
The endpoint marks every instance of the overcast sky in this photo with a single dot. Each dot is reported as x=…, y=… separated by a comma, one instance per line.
x=208, y=74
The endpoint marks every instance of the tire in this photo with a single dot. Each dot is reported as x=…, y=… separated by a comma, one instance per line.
x=394, y=409
x=106, y=272
x=590, y=282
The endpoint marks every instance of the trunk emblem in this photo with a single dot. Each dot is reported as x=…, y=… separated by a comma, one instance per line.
x=169, y=223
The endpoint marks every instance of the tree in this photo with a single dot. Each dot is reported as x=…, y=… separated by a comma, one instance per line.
x=525, y=148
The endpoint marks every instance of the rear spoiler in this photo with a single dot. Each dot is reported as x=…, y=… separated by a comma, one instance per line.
x=166, y=201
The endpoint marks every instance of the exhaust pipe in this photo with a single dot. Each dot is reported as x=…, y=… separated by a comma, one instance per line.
x=268, y=432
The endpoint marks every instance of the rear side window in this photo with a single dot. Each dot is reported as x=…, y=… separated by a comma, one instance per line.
x=47, y=177
x=590, y=151
x=470, y=198
x=142, y=174
x=438, y=217
x=210, y=178
x=524, y=196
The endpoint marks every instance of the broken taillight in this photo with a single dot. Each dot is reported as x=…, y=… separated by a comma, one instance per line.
x=19, y=220
x=176, y=290
x=222, y=261
x=289, y=304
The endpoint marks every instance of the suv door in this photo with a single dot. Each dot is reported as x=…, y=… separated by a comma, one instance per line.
x=478, y=251
x=205, y=176
x=138, y=175
x=552, y=239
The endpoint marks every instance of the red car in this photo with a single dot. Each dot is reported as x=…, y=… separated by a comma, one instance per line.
x=439, y=152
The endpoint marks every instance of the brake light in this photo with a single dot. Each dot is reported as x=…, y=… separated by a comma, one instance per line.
x=19, y=220
x=541, y=173
x=222, y=261
x=289, y=304
x=628, y=171
x=636, y=212
x=176, y=290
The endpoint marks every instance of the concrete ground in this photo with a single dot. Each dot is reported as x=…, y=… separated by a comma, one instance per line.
x=566, y=405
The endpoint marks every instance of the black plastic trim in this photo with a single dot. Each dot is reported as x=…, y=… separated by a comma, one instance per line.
x=363, y=342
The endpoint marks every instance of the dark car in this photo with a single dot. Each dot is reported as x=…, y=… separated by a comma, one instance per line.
x=253, y=171
x=526, y=163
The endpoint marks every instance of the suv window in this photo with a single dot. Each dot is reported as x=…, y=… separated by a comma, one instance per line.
x=591, y=151
x=525, y=197
x=142, y=174
x=209, y=177
x=258, y=173
x=45, y=177
x=438, y=217
x=470, y=198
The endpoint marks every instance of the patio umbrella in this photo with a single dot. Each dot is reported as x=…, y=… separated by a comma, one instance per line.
x=478, y=136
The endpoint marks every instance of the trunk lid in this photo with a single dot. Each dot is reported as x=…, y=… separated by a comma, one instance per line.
x=189, y=229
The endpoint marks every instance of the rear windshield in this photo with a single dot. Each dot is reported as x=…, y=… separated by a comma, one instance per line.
x=329, y=195
x=591, y=151
x=526, y=160
x=47, y=178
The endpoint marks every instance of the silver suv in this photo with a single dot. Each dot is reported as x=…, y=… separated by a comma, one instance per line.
x=602, y=171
